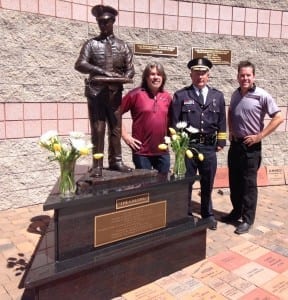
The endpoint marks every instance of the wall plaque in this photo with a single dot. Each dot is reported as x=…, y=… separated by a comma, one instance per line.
x=217, y=56
x=129, y=222
x=275, y=175
x=158, y=50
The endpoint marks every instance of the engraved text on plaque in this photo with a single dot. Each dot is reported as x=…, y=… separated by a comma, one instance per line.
x=129, y=222
x=217, y=56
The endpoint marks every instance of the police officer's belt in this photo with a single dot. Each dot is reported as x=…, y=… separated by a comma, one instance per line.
x=200, y=138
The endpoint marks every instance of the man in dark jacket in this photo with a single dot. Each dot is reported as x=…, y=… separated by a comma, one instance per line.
x=108, y=61
x=203, y=109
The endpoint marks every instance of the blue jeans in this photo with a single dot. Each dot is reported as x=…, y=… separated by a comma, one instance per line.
x=161, y=163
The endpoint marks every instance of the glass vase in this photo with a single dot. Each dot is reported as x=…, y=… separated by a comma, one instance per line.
x=179, y=169
x=67, y=186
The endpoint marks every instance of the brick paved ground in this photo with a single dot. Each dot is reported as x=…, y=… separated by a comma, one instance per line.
x=250, y=266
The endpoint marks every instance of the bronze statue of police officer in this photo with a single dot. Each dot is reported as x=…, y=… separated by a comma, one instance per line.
x=109, y=63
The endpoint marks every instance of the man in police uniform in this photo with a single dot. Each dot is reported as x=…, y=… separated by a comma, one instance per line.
x=108, y=61
x=203, y=108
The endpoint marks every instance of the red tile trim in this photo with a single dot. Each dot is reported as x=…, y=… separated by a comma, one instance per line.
x=158, y=10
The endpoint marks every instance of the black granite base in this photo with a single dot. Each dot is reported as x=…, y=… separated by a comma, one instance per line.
x=110, y=272
x=68, y=266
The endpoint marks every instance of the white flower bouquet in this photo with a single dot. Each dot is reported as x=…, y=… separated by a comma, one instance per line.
x=66, y=153
x=179, y=142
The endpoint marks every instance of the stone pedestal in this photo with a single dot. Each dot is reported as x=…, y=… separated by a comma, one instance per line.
x=120, y=232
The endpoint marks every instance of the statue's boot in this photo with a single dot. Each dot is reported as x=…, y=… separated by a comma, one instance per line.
x=120, y=166
x=96, y=170
x=114, y=152
x=97, y=139
x=98, y=147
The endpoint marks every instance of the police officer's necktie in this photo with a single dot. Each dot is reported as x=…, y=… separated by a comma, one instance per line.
x=201, y=97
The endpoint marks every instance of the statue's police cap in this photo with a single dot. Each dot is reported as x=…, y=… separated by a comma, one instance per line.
x=200, y=64
x=104, y=12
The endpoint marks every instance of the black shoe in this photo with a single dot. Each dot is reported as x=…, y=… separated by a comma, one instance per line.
x=210, y=221
x=213, y=225
x=230, y=218
x=120, y=167
x=243, y=228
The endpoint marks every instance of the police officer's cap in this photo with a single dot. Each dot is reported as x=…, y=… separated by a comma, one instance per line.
x=200, y=64
x=104, y=12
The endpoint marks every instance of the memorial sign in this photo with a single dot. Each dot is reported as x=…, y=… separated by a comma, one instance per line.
x=275, y=175
x=159, y=50
x=132, y=201
x=129, y=222
x=217, y=56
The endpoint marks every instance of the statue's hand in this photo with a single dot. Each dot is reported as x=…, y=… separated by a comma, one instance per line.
x=108, y=74
x=112, y=74
x=117, y=75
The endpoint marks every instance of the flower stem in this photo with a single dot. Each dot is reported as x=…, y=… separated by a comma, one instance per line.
x=179, y=165
x=67, y=185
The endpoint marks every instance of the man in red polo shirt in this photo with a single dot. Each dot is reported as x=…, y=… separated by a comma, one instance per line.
x=149, y=105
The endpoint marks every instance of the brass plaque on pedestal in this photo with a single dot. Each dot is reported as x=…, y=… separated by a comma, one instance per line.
x=132, y=201
x=129, y=222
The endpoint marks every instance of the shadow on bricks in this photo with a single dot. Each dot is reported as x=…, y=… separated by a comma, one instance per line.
x=21, y=264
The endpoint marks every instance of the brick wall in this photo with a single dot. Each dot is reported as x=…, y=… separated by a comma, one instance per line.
x=40, y=90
